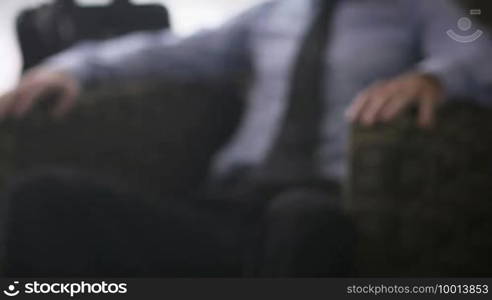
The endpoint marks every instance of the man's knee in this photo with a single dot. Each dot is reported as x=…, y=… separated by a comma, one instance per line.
x=313, y=224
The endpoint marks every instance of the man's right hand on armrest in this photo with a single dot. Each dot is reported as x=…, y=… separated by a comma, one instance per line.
x=35, y=86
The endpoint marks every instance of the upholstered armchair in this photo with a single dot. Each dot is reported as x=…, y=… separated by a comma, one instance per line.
x=422, y=200
x=153, y=139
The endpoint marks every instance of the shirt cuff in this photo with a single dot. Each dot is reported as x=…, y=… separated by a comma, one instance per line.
x=71, y=62
x=452, y=76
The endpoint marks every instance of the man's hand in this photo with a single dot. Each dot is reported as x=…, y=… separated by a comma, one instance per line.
x=384, y=101
x=34, y=86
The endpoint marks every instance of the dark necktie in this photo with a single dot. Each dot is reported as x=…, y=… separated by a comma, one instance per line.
x=291, y=159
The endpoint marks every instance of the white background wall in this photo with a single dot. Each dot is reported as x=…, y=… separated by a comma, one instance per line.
x=187, y=17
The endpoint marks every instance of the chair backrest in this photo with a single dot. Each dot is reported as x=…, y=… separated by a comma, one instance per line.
x=51, y=28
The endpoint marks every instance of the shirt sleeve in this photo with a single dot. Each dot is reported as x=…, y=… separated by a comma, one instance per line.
x=214, y=55
x=463, y=64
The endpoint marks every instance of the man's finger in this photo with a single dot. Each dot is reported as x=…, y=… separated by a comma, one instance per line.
x=379, y=99
x=354, y=113
x=426, y=113
x=357, y=107
x=65, y=103
x=396, y=106
x=6, y=103
x=27, y=95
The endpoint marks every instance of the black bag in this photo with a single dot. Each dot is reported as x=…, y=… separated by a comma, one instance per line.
x=51, y=28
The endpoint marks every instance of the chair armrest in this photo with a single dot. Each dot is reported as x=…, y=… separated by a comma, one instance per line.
x=152, y=138
x=422, y=200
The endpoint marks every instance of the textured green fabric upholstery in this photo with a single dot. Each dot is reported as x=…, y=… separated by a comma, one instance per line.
x=422, y=200
x=153, y=138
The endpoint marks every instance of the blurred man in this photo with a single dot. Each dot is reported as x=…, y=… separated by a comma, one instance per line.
x=312, y=68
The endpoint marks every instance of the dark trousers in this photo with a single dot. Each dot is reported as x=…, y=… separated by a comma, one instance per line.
x=63, y=223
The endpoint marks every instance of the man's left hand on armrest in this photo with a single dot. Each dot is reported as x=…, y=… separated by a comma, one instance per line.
x=386, y=100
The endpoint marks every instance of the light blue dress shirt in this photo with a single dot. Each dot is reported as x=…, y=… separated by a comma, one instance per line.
x=371, y=40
